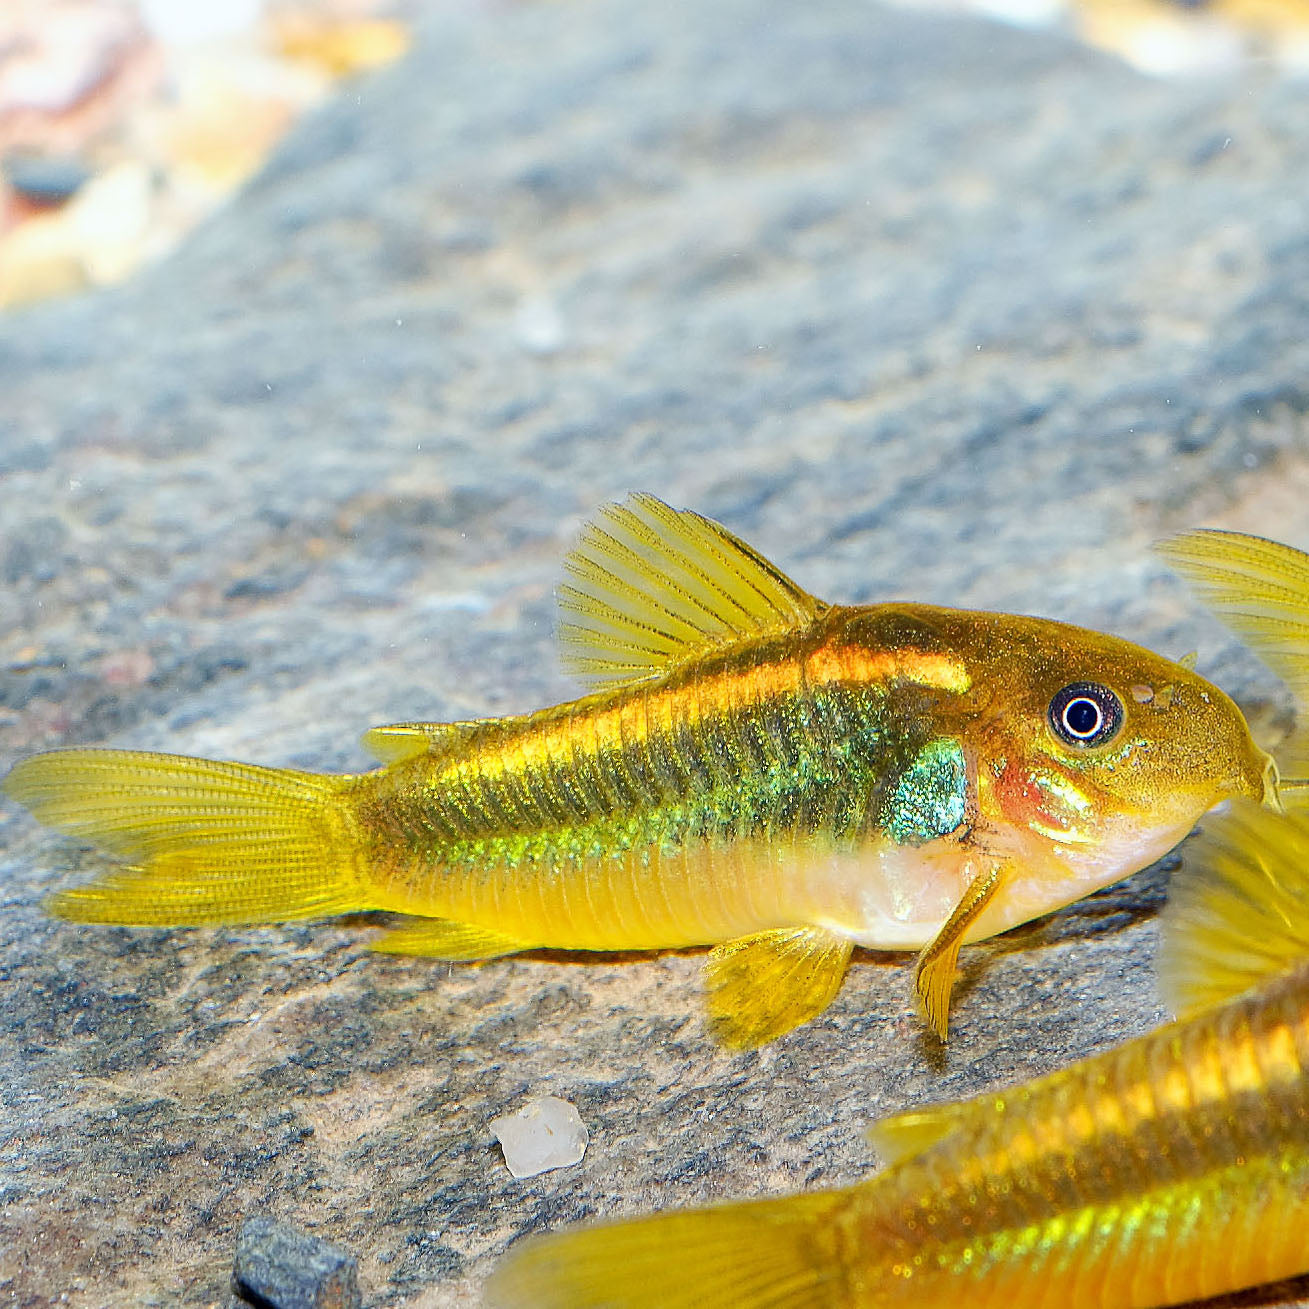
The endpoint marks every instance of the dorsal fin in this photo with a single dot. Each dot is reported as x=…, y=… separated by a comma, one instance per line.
x=396, y=742
x=1238, y=908
x=650, y=585
x=904, y=1135
x=1260, y=589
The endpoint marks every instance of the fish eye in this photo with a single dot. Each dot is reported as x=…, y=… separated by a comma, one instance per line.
x=1086, y=714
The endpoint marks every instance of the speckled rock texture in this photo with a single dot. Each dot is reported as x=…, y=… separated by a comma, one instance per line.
x=278, y=1267
x=920, y=306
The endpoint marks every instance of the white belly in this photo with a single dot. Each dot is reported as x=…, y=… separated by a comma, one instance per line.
x=894, y=897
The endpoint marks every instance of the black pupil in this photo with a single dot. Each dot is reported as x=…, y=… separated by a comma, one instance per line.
x=1082, y=717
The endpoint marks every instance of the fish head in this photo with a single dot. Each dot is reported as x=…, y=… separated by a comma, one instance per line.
x=1093, y=744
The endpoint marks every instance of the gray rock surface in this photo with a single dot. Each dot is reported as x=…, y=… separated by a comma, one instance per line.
x=278, y=1267
x=922, y=307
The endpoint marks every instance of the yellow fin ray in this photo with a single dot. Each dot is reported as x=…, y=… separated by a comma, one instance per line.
x=777, y=1253
x=442, y=938
x=902, y=1136
x=650, y=585
x=1238, y=909
x=395, y=742
x=1260, y=589
x=763, y=986
x=209, y=842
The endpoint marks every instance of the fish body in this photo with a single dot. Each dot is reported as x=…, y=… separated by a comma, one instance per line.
x=1163, y=1171
x=755, y=770
x=1170, y=1169
x=848, y=774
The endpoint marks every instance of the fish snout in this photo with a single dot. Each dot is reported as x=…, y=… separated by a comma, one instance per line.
x=1258, y=779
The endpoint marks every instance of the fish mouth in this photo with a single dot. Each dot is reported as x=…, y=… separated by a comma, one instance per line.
x=1259, y=780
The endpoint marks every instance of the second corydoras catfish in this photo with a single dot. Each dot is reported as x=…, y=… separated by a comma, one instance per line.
x=756, y=770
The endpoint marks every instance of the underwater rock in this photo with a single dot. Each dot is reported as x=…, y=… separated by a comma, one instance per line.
x=278, y=1267
x=919, y=306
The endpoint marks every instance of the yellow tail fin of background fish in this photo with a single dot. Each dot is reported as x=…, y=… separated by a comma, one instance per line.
x=1260, y=589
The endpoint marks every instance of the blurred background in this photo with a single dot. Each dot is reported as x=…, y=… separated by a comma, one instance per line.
x=124, y=122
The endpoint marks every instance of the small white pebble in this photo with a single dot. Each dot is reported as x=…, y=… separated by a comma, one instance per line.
x=545, y=1133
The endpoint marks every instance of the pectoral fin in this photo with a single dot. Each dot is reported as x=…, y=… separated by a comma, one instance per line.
x=440, y=938
x=934, y=974
x=762, y=986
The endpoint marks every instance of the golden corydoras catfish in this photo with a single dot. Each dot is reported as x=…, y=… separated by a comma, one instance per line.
x=756, y=770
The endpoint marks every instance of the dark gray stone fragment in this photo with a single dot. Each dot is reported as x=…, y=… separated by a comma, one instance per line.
x=46, y=180
x=278, y=1267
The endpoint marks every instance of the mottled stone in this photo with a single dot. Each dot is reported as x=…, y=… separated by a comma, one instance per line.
x=45, y=179
x=277, y=1267
x=920, y=306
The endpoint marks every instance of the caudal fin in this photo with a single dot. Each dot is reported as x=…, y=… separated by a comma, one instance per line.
x=778, y=1254
x=205, y=841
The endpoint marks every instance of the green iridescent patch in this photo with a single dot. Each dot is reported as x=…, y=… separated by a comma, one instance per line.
x=930, y=796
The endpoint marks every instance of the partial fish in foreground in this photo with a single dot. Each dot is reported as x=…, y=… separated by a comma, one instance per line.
x=1170, y=1169
x=758, y=771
